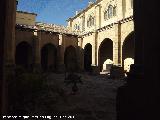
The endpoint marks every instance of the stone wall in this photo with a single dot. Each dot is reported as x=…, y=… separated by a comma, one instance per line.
x=25, y=18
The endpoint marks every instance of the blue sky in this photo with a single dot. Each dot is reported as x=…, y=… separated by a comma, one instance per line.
x=52, y=11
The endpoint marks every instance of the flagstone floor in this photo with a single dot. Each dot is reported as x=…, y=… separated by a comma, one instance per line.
x=95, y=100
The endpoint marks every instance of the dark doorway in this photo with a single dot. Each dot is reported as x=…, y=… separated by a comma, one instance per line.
x=49, y=57
x=88, y=57
x=128, y=52
x=70, y=59
x=106, y=54
x=24, y=55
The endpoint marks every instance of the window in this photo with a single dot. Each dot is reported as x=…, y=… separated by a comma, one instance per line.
x=110, y=12
x=90, y=21
x=114, y=11
x=76, y=27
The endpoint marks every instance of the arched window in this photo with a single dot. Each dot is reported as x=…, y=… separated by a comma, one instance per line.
x=76, y=27
x=90, y=21
x=87, y=23
x=110, y=11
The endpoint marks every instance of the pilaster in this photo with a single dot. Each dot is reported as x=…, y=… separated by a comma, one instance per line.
x=80, y=55
x=116, y=46
x=60, y=54
x=36, y=52
x=94, y=66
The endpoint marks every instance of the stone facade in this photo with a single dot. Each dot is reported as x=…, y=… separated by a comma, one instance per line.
x=105, y=19
x=104, y=24
x=25, y=18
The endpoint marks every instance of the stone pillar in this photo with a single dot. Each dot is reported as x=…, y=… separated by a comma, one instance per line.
x=60, y=55
x=139, y=98
x=95, y=67
x=116, y=70
x=98, y=16
x=80, y=55
x=2, y=29
x=9, y=12
x=116, y=46
x=147, y=45
x=115, y=52
x=37, y=52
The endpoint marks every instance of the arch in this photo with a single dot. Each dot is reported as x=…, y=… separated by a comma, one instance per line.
x=128, y=52
x=105, y=55
x=70, y=59
x=48, y=57
x=24, y=55
x=88, y=57
x=110, y=11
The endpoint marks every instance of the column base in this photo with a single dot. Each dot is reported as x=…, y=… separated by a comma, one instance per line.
x=95, y=70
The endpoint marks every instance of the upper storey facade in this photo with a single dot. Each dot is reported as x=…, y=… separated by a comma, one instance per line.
x=25, y=18
x=28, y=20
x=99, y=14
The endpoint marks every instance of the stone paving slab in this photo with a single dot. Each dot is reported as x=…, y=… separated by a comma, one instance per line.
x=95, y=99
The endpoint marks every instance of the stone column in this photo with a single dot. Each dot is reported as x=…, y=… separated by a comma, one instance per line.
x=139, y=98
x=2, y=29
x=116, y=45
x=98, y=16
x=37, y=51
x=115, y=52
x=60, y=54
x=94, y=50
x=80, y=54
x=95, y=67
x=8, y=49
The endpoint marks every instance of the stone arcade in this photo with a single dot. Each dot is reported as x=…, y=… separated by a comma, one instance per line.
x=101, y=35
x=143, y=84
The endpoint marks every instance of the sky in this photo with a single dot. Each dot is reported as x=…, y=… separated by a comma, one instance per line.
x=52, y=11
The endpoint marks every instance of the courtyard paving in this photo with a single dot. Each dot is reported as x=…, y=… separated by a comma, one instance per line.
x=95, y=100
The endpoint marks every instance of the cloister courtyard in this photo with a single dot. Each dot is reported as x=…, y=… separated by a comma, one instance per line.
x=104, y=65
x=95, y=98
